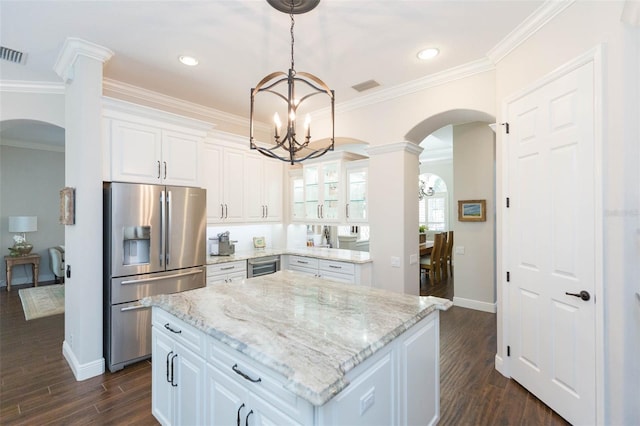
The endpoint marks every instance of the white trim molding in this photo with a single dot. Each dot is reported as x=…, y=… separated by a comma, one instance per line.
x=82, y=371
x=475, y=304
x=73, y=48
x=40, y=87
x=395, y=147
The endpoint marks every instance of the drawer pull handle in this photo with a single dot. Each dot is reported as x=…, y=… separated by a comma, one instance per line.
x=335, y=267
x=226, y=268
x=171, y=329
x=304, y=263
x=239, y=409
x=246, y=420
x=240, y=372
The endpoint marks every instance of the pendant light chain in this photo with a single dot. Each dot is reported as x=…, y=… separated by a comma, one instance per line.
x=292, y=39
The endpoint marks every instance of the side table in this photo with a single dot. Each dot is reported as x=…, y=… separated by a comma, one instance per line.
x=33, y=259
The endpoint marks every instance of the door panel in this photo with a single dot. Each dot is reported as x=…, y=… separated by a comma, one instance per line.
x=551, y=243
x=136, y=229
x=186, y=227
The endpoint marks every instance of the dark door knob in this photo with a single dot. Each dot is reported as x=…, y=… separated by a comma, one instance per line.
x=584, y=295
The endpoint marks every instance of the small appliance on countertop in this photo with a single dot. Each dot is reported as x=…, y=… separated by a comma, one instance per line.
x=222, y=246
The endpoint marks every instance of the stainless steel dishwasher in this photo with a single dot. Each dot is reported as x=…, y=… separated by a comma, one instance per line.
x=263, y=266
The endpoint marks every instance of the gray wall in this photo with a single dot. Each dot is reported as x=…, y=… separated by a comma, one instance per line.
x=30, y=183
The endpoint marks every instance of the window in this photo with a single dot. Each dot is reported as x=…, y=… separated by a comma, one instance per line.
x=434, y=209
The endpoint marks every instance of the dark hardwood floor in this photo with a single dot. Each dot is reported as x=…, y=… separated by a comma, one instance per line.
x=37, y=386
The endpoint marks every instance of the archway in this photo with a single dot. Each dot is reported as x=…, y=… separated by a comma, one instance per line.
x=473, y=177
x=33, y=172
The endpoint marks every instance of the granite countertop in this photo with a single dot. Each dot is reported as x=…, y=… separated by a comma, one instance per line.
x=309, y=330
x=341, y=255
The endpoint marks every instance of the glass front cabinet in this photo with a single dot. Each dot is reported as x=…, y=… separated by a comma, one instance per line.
x=357, y=191
x=323, y=191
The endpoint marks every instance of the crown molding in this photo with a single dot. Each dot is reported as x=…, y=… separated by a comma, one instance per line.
x=40, y=87
x=414, y=86
x=72, y=49
x=538, y=19
x=164, y=101
x=32, y=145
x=409, y=147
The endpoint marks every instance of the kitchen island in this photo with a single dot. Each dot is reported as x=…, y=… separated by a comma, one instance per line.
x=287, y=348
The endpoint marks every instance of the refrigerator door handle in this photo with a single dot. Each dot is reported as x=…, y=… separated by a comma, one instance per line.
x=168, y=234
x=163, y=213
x=146, y=280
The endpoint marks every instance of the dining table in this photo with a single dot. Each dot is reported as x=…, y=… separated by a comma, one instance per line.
x=425, y=248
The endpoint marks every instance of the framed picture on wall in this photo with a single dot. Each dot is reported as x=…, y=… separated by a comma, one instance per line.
x=67, y=206
x=472, y=210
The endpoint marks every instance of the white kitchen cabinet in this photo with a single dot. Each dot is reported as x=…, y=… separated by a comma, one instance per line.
x=399, y=384
x=324, y=188
x=226, y=272
x=263, y=185
x=178, y=371
x=346, y=272
x=144, y=145
x=229, y=401
x=296, y=194
x=223, y=177
x=357, y=191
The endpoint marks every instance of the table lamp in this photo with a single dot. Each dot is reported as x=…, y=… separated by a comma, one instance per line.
x=22, y=225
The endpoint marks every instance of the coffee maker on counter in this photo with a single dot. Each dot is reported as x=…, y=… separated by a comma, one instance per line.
x=222, y=246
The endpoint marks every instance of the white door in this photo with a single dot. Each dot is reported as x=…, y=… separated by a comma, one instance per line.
x=551, y=249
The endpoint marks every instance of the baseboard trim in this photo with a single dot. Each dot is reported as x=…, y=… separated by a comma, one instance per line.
x=475, y=304
x=82, y=371
x=500, y=367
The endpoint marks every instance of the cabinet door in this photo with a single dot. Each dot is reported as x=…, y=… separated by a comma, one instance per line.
x=189, y=387
x=331, y=191
x=253, y=188
x=272, y=189
x=312, y=198
x=297, y=198
x=161, y=389
x=265, y=414
x=180, y=153
x=356, y=208
x=335, y=276
x=212, y=182
x=226, y=402
x=233, y=185
x=136, y=152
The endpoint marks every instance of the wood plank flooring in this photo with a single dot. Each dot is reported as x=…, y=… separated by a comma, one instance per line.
x=37, y=386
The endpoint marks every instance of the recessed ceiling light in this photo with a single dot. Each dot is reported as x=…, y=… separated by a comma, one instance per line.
x=429, y=53
x=188, y=60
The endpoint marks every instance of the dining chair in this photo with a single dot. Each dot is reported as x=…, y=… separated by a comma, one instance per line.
x=448, y=258
x=432, y=263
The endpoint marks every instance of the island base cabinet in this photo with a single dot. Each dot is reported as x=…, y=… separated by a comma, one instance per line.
x=177, y=382
x=369, y=398
x=231, y=403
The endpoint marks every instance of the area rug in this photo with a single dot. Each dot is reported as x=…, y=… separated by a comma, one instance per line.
x=38, y=302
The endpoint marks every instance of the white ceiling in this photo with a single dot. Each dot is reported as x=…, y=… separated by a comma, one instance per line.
x=344, y=42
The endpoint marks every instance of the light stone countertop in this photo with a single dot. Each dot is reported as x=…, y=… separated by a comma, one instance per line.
x=342, y=255
x=310, y=330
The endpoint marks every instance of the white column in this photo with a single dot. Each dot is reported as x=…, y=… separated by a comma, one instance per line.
x=393, y=216
x=80, y=65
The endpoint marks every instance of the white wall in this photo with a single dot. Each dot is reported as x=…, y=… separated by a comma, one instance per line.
x=30, y=183
x=580, y=28
x=473, y=169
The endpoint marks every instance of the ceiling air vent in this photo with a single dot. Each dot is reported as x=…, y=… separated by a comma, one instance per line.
x=11, y=55
x=369, y=84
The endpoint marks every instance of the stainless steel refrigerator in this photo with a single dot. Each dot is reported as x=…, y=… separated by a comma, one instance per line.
x=154, y=243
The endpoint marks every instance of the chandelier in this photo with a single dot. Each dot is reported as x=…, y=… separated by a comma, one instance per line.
x=422, y=193
x=291, y=90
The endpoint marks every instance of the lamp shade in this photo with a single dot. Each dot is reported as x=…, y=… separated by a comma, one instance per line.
x=23, y=223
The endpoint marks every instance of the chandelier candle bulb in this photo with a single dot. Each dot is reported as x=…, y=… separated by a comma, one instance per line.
x=307, y=126
x=278, y=124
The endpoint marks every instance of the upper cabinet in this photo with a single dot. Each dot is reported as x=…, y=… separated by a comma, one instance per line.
x=145, y=145
x=296, y=186
x=223, y=178
x=242, y=186
x=357, y=191
x=324, y=189
x=263, y=188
